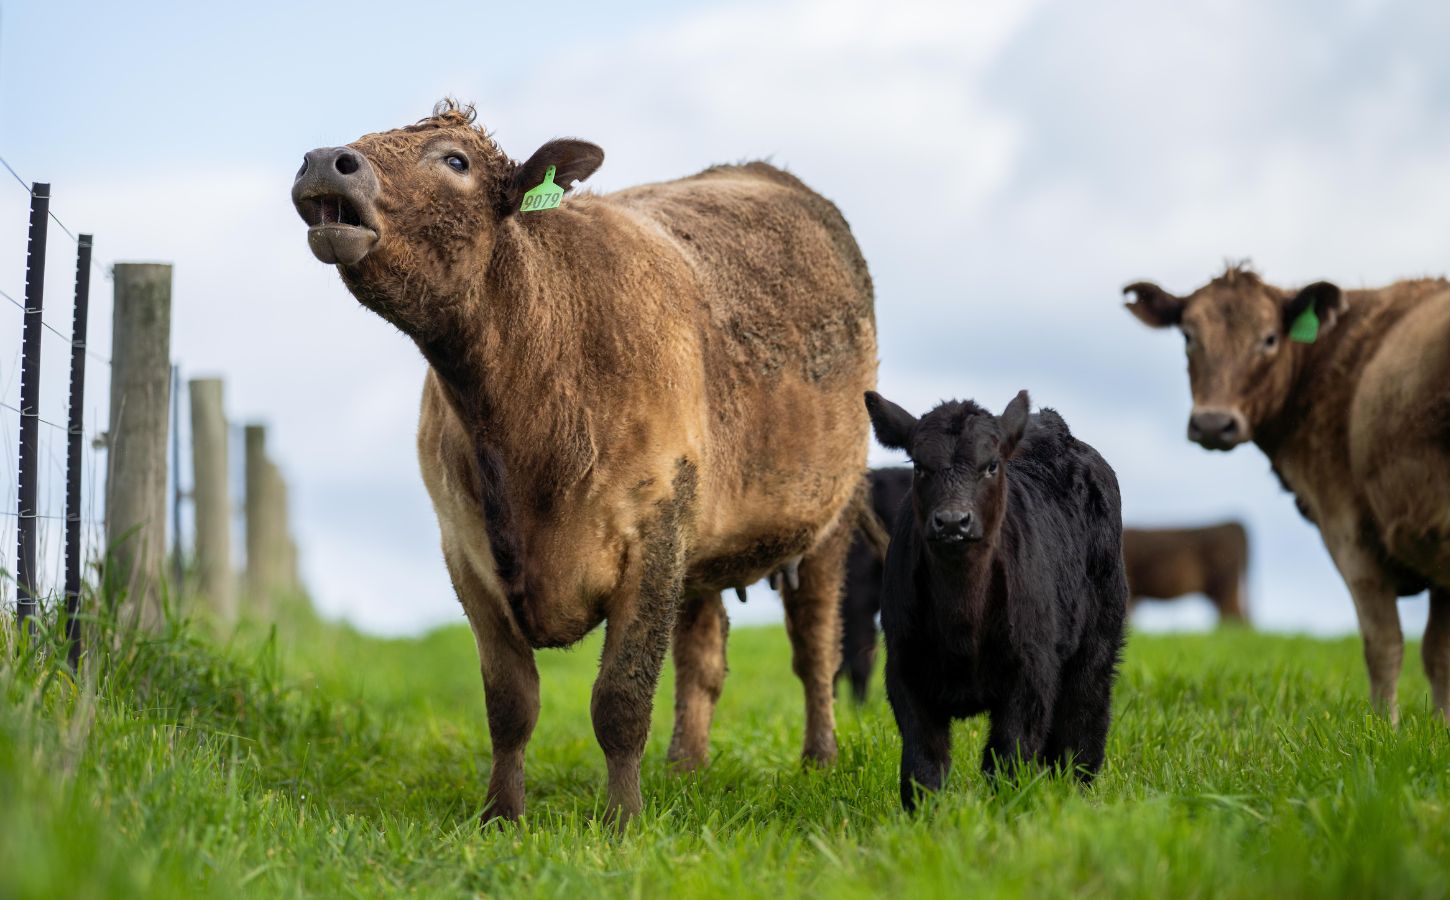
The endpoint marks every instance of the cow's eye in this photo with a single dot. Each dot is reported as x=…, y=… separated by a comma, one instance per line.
x=990, y=469
x=457, y=162
x=1187, y=340
x=1271, y=340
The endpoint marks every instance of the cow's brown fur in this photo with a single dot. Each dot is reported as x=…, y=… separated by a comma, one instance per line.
x=632, y=398
x=1166, y=563
x=1356, y=426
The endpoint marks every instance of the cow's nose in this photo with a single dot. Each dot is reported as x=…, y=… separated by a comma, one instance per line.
x=951, y=524
x=331, y=162
x=1216, y=429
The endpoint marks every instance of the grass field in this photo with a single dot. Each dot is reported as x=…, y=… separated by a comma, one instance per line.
x=326, y=763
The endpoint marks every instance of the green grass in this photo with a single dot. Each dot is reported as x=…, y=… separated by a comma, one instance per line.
x=327, y=763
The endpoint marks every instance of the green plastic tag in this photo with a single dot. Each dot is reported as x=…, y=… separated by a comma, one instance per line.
x=546, y=195
x=1305, y=328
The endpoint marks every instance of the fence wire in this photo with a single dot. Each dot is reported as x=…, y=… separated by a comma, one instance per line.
x=57, y=346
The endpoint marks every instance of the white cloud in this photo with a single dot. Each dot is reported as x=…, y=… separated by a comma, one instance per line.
x=1005, y=166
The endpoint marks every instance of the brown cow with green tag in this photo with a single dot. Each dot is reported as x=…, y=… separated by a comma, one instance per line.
x=1348, y=393
x=634, y=400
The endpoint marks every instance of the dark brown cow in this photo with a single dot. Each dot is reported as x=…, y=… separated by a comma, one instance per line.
x=1348, y=393
x=592, y=370
x=1167, y=563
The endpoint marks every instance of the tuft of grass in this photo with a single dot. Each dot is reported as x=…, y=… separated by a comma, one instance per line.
x=311, y=760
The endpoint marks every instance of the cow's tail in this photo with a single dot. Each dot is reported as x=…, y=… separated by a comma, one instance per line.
x=868, y=523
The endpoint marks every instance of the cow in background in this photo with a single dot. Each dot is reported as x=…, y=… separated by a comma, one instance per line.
x=1166, y=563
x=1348, y=394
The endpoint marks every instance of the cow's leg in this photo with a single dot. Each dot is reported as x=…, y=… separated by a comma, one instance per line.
x=812, y=619
x=1435, y=649
x=700, y=633
x=510, y=687
x=635, y=640
x=1379, y=623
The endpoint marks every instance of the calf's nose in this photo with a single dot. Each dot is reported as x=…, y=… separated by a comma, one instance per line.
x=951, y=523
x=1216, y=429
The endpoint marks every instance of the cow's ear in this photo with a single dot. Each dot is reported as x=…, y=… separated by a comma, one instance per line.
x=1154, y=306
x=1014, y=422
x=1328, y=302
x=573, y=160
x=892, y=424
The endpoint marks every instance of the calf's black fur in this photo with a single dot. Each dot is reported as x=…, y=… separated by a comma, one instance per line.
x=1004, y=590
x=861, y=600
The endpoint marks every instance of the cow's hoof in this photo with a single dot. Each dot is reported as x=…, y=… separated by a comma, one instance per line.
x=499, y=814
x=820, y=753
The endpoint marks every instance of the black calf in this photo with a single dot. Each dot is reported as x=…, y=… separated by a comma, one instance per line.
x=1004, y=590
x=861, y=600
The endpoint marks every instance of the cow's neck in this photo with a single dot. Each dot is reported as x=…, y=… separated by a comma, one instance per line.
x=959, y=587
x=507, y=350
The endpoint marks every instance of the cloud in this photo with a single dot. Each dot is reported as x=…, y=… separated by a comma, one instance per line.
x=1006, y=168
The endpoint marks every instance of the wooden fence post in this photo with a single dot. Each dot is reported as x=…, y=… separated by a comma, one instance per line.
x=140, y=397
x=211, y=497
x=262, y=519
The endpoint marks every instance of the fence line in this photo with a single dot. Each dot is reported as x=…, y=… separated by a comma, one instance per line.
x=37, y=511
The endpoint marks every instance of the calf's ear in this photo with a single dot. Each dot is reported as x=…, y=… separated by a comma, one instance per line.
x=892, y=424
x=1152, y=305
x=1014, y=423
x=573, y=160
x=1327, y=299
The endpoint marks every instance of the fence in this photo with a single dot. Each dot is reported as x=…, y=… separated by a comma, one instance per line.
x=117, y=448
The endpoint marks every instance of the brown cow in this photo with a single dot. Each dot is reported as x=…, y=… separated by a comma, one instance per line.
x=1166, y=563
x=1354, y=414
x=592, y=371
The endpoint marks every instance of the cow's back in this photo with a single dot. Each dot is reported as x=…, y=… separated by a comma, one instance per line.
x=1399, y=434
x=785, y=320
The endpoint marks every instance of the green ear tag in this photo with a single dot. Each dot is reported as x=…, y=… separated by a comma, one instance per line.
x=545, y=196
x=1305, y=328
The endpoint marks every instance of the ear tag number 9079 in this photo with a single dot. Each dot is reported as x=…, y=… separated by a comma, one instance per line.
x=546, y=195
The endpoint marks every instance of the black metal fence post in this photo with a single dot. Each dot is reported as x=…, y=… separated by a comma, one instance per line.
x=30, y=404
x=75, y=446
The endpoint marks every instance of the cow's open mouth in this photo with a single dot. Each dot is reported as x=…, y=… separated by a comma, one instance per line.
x=336, y=230
x=329, y=209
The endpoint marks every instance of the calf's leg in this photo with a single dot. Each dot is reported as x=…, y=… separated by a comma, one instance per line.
x=812, y=620
x=1082, y=713
x=858, y=642
x=700, y=634
x=1435, y=650
x=926, y=745
x=1019, y=726
x=510, y=687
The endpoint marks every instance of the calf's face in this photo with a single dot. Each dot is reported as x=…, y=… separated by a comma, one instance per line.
x=1236, y=335
x=410, y=216
x=959, y=453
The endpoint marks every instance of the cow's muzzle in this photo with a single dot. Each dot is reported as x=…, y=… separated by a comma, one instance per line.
x=1217, y=428
x=335, y=192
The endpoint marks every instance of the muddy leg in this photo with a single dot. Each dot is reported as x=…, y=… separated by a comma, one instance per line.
x=1435, y=650
x=812, y=619
x=700, y=633
x=1379, y=625
x=636, y=638
x=510, y=686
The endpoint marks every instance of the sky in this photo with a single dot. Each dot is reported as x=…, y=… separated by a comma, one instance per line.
x=1006, y=167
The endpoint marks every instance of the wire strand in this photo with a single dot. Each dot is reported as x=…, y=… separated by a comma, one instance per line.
x=55, y=218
